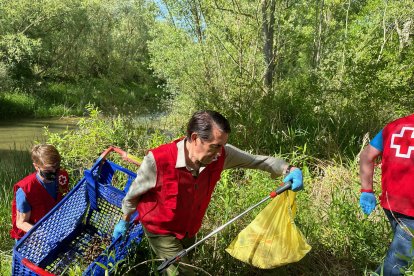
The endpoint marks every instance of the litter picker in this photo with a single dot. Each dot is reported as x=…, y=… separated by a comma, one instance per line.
x=184, y=252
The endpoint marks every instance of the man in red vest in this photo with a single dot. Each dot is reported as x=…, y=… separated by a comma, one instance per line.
x=175, y=182
x=39, y=192
x=395, y=143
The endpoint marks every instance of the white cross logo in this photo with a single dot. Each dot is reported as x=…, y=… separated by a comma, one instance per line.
x=403, y=142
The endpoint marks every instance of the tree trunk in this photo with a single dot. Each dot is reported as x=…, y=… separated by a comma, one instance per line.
x=317, y=42
x=268, y=16
x=403, y=33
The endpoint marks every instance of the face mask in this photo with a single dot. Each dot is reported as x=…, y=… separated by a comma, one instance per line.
x=49, y=176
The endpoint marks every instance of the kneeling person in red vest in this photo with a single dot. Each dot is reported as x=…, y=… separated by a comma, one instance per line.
x=176, y=180
x=36, y=194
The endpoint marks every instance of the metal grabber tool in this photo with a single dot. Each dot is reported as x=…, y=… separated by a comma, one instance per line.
x=184, y=252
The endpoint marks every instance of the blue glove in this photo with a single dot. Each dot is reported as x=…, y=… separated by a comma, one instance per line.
x=297, y=179
x=367, y=201
x=120, y=229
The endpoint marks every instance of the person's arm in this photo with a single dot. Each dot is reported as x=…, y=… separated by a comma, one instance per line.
x=366, y=166
x=22, y=221
x=145, y=180
x=367, y=199
x=367, y=159
x=236, y=158
x=23, y=211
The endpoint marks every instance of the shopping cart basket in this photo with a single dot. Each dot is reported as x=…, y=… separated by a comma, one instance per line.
x=89, y=211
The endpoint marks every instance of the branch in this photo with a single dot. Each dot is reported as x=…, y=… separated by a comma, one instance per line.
x=237, y=63
x=384, y=33
x=232, y=10
x=169, y=12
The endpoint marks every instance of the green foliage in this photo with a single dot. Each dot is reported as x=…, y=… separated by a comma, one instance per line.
x=64, y=99
x=5, y=264
x=338, y=227
x=133, y=99
x=74, y=270
x=4, y=76
x=19, y=52
x=15, y=164
x=110, y=267
x=336, y=64
x=80, y=147
x=342, y=237
x=16, y=105
x=75, y=41
x=140, y=260
x=64, y=54
x=342, y=69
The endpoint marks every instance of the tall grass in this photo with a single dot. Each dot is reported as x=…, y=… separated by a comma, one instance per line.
x=15, y=164
x=55, y=99
x=342, y=236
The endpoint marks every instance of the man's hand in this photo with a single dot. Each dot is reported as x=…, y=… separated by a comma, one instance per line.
x=120, y=229
x=367, y=201
x=297, y=179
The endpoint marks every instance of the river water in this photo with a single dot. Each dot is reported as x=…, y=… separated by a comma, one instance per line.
x=22, y=134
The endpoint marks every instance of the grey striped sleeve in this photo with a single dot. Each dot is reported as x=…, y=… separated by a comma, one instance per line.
x=236, y=158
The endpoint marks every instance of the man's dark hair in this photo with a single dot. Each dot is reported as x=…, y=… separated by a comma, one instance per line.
x=202, y=123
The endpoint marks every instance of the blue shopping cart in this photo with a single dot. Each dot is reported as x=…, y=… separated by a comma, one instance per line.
x=89, y=211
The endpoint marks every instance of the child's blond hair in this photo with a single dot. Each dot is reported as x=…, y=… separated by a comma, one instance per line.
x=45, y=154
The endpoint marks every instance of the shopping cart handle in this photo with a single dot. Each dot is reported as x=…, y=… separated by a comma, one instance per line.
x=124, y=155
x=35, y=268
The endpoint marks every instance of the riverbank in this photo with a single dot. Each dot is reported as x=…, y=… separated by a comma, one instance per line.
x=63, y=99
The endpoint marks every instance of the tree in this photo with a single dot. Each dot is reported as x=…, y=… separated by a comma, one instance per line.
x=75, y=39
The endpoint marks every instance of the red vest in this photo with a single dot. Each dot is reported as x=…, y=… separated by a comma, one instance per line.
x=179, y=201
x=39, y=199
x=398, y=166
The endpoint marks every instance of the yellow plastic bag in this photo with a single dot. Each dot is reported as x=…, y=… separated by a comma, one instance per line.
x=272, y=238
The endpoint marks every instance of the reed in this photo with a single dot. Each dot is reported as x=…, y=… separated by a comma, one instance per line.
x=15, y=164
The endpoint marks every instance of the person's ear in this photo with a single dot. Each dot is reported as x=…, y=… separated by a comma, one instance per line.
x=35, y=166
x=194, y=136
